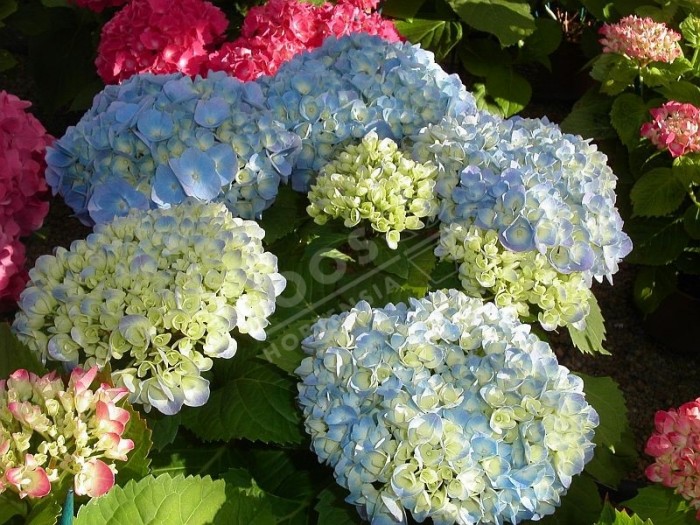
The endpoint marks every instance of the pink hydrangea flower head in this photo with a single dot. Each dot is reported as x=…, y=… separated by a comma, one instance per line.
x=99, y=5
x=641, y=40
x=23, y=190
x=157, y=36
x=675, y=127
x=61, y=430
x=280, y=29
x=675, y=445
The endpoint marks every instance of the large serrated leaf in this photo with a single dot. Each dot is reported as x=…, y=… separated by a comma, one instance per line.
x=439, y=36
x=590, y=117
x=657, y=193
x=285, y=216
x=11, y=505
x=656, y=241
x=604, y=394
x=664, y=74
x=614, y=72
x=14, y=355
x=682, y=91
x=333, y=510
x=246, y=502
x=163, y=500
x=510, y=20
x=256, y=404
x=691, y=221
x=509, y=90
x=627, y=115
x=661, y=506
x=610, y=465
x=612, y=516
x=590, y=340
x=137, y=463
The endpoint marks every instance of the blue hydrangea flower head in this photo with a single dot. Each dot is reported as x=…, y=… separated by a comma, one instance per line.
x=357, y=84
x=445, y=408
x=212, y=135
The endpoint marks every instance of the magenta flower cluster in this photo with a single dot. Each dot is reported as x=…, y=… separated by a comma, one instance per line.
x=642, y=40
x=274, y=33
x=675, y=127
x=159, y=36
x=676, y=446
x=50, y=431
x=23, y=206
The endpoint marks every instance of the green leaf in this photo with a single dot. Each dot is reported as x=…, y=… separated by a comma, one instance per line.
x=285, y=216
x=657, y=193
x=663, y=74
x=333, y=510
x=163, y=429
x=652, y=285
x=256, y=404
x=137, y=463
x=612, y=516
x=11, y=505
x=509, y=90
x=439, y=36
x=283, y=345
x=401, y=8
x=604, y=394
x=627, y=115
x=7, y=60
x=660, y=505
x=510, y=20
x=46, y=511
x=543, y=42
x=614, y=72
x=687, y=169
x=7, y=7
x=690, y=29
x=590, y=117
x=691, y=221
x=176, y=500
x=205, y=459
x=656, y=241
x=482, y=56
x=610, y=465
x=246, y=502
x=590, y=340
x=681, y=91
x=580, y=506
x=15, y=355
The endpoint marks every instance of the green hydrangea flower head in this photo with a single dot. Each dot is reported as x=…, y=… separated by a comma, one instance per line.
x=374, y=181
x=155, y=295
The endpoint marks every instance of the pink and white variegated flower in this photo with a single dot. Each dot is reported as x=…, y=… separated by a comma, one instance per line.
x=675, y=127
x=675, y=445
x=60, y=430
x=642, y=40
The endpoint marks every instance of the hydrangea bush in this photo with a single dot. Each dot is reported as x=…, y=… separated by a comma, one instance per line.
x=156, y=295
x=51, y=431
x=155, y=140
x=23, y=190
x=446, y=408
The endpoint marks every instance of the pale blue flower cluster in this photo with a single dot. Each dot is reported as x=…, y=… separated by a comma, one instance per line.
x=446, y=408
x=156, y=139
x=539, y=188
x=356, y=84
x=155, y=295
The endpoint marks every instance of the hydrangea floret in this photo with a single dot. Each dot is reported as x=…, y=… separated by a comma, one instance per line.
x=642, y=40
x=50, y=431
x=159, y=36
x=280, y=29
x=154, y=140
x=675, y=127
x=374, y=181
x=446, y=408
x=675, y=445
x=528, y=212
x=155, y=295
x=336, y=94
x=23, y=190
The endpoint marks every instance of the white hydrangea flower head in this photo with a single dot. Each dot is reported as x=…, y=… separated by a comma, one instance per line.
x=374, y=181
x=446, y=408
x=155, y=295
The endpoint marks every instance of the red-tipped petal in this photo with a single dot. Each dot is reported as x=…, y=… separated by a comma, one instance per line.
x=95, y=479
